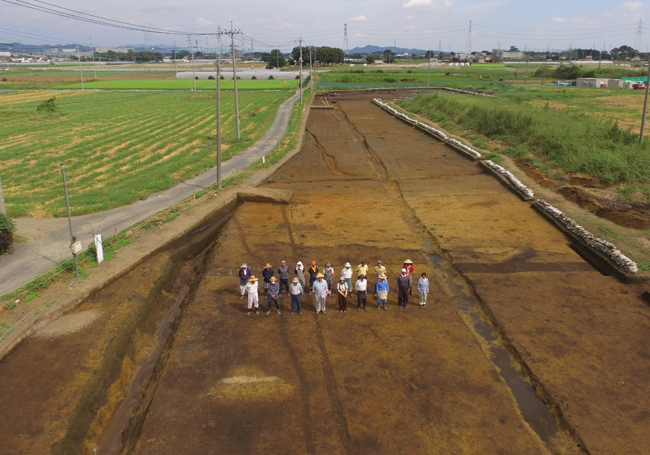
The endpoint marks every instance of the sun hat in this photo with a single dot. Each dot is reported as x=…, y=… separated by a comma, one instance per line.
x=243, y=266
x=341, y=279
x=268, y=265
x=313, y=262
x=284, y=262
x=252, y=278
x=382, y=276
x=272, y=279
x=295, y=280
x=320, y=275
x=347, y=264
x=328, y=264
x=408, y=261
x=403, y=270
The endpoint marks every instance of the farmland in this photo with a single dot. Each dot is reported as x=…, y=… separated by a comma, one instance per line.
x=183, y=84
x=117, y=147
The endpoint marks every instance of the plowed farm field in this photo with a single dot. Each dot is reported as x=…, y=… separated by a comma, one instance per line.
x=117, y=147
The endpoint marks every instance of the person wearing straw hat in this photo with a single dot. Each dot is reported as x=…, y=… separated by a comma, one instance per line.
x=300, y=274
x=342, y=289
x=321, y=292
x=253, y=299
x=244, y=276
x=313, y=275
x=267, y=273
x=403, y=289
x=329, y=272
x=295, y=289
x=408, y=265
x=379, y=270
x=274, y=294
x=346, y=273
x=381, y=291
x=283, y=274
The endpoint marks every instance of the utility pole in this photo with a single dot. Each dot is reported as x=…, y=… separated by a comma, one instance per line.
x=232, y=34
x=189, y=41
x=645, y=105
x=73, y=237
x=218, y=119
x=81, y=74
x=91, y=50
x=301, y=70
x=175, y=67
x=428, y=68
x=311, y=68
x=3, y=209
x=600, y=59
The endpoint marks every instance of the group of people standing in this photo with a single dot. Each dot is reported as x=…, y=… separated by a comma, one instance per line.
x=323, y=284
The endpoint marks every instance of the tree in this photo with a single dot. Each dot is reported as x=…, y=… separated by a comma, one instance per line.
x=513, y=49
x=567, y=72
x=623, y=52
x=389, y=56
x=275, y=59
x=370, y=59
x=7, y=229
x=428, y=54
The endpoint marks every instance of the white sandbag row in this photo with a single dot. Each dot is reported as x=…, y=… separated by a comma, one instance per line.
x=395, y=112
x=467, y=92
x=626, y=264
x=511, y=178
x=467, y=148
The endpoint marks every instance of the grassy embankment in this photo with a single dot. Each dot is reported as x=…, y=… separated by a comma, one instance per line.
x=184, y=84
x=556, y=140
x=117, y=147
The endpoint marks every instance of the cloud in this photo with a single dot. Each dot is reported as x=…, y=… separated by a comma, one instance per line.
x=559, y=19
x=200, y=22
x=631, y=6
x=429, y=4
x=627, y=11
x=359, y=18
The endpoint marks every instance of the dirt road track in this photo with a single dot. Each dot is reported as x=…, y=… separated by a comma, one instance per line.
x=445, y=380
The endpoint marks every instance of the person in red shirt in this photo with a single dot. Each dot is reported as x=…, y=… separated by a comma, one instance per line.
x=408, y=265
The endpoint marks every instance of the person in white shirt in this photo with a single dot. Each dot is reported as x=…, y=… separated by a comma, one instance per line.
x=296, y=289
x=346, y=273
x=423, y=289
x=361, y=286
x=253, y=298
x=321, y=292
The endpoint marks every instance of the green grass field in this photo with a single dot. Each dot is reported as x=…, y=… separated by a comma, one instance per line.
x=117, y=147
x=553, y=138
x=183, y=84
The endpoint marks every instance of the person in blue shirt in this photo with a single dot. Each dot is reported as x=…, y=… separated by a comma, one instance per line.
x=381, y=291
x=267, y=273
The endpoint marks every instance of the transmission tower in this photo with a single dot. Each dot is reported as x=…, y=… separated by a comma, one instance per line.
x=637, y=41
x=345, y=40
x=469, y=40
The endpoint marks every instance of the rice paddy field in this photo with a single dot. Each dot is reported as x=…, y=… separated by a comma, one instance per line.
x=182, y=84
x=117, y=147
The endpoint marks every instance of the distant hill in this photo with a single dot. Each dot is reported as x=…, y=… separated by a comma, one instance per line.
x=369, y=49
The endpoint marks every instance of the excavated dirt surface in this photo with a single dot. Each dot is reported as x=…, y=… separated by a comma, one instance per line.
x=514, y=314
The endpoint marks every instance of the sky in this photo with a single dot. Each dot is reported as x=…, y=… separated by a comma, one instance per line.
x=422, y=24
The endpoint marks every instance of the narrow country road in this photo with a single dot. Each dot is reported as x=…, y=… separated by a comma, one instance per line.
x=47, y=239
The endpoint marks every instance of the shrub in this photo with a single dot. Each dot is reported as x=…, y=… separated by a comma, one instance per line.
x=7, y=229
x=221, y=77
x=254, y=78
x=48, y=105
x=4, y=79
x=271, y=77
x=196, y=77
x=211, y=77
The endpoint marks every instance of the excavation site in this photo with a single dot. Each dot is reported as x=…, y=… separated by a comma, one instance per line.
x=525, y=345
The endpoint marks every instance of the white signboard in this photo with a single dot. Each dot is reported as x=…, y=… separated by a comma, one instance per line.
x=99, y=248
x=76, y=248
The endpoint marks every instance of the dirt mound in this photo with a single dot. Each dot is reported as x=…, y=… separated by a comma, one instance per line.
x=630, y=215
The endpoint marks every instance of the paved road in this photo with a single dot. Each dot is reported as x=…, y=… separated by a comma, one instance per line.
x=47, y=239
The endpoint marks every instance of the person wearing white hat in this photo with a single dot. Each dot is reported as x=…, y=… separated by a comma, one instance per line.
x=329, y=272
x=300, y=274
x=273, y=294
x=321, y=292
x=403, y=289
x=253, y=298
x=347, y=274
x=361, y=286
x=296, y=289
x=244, y=275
